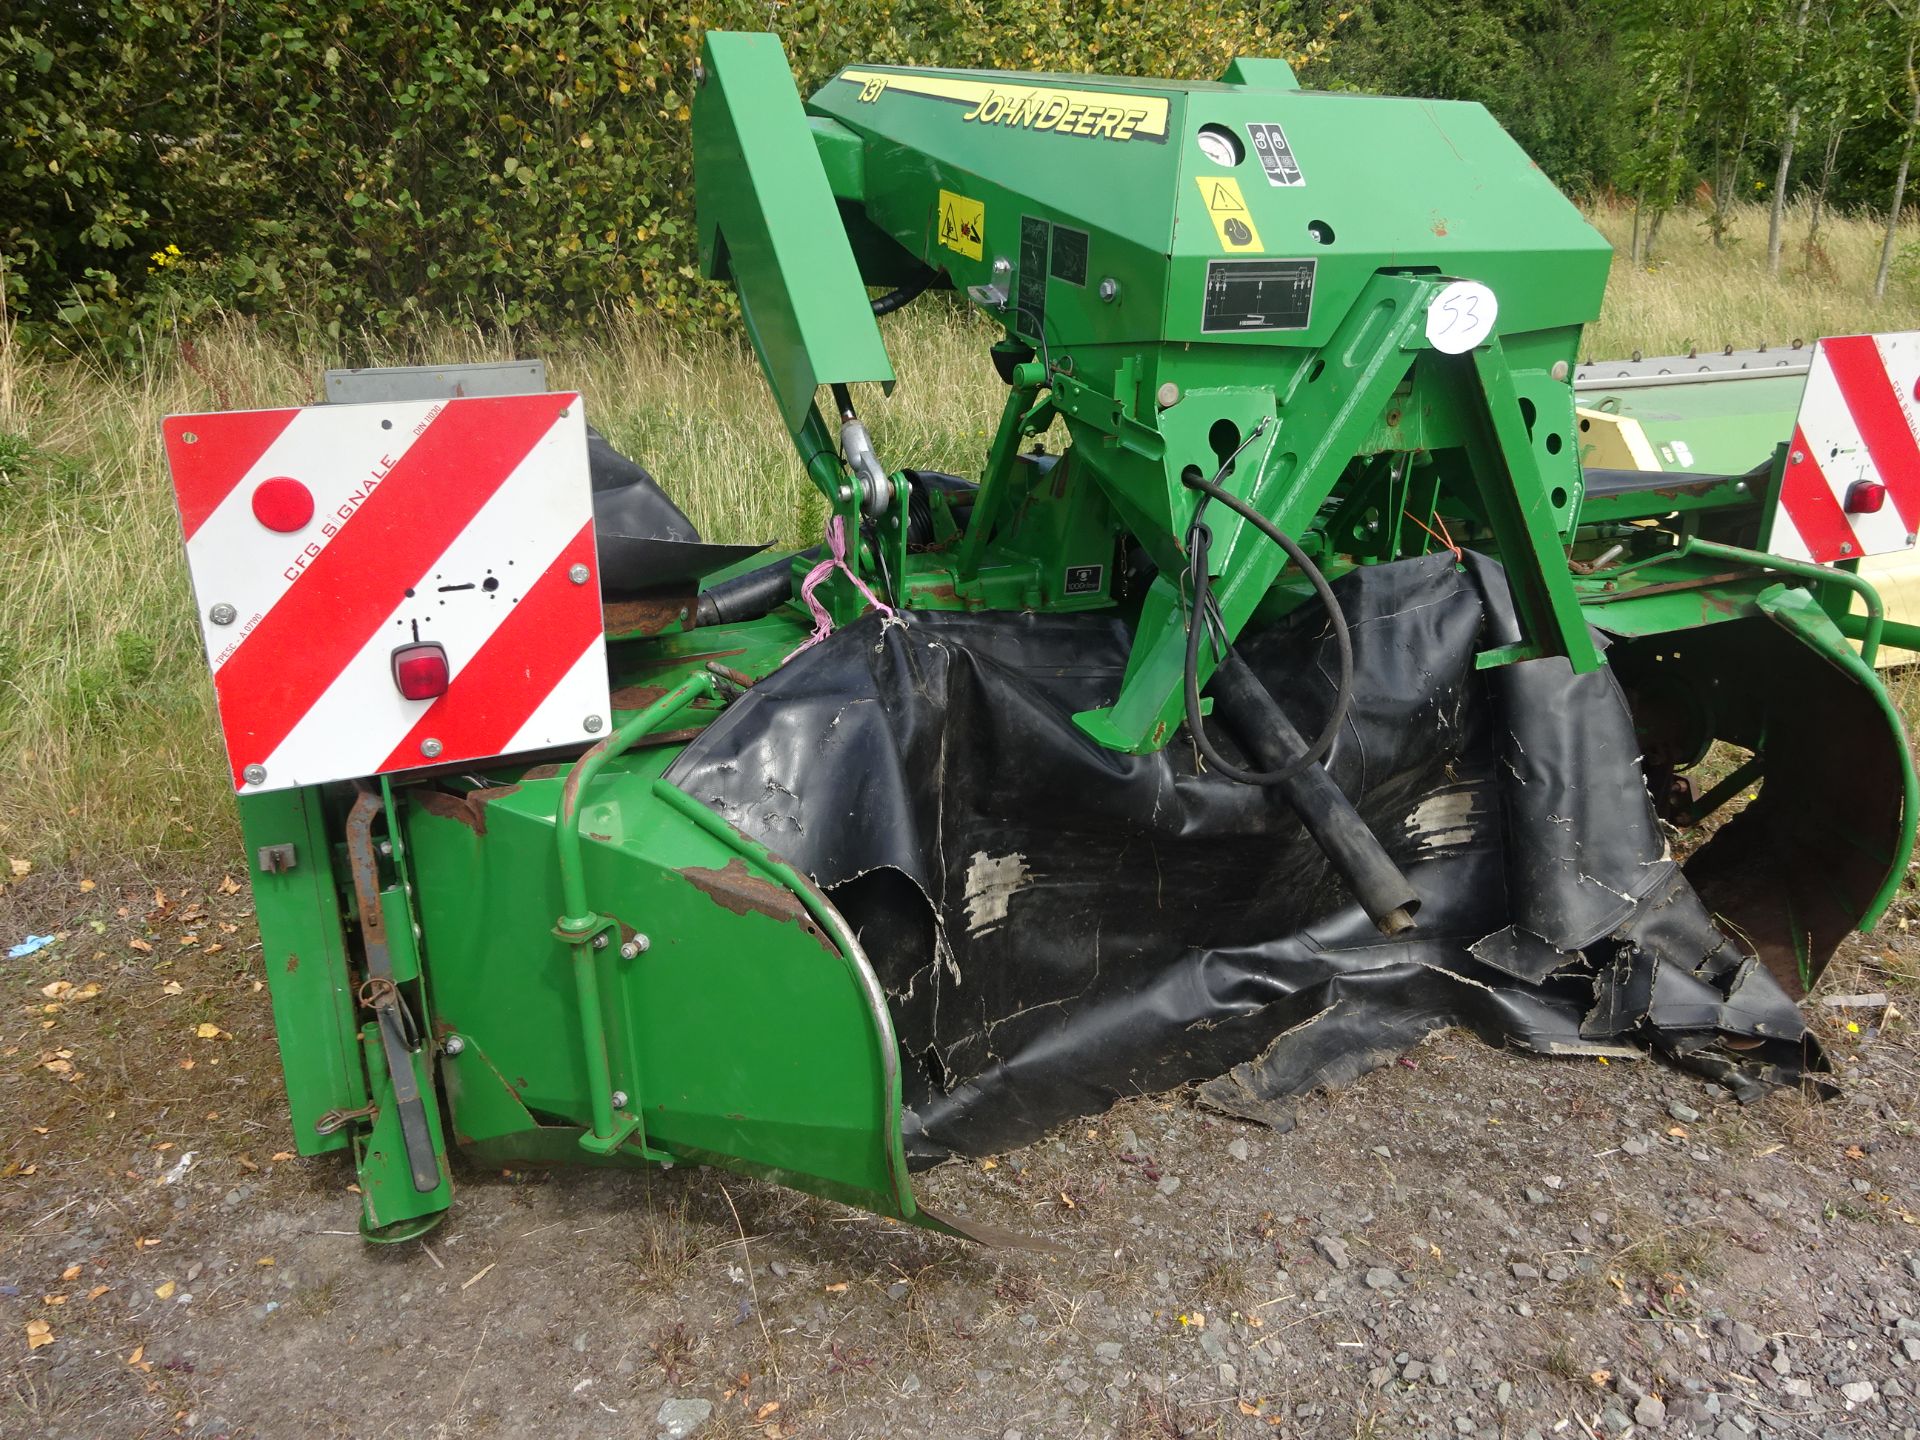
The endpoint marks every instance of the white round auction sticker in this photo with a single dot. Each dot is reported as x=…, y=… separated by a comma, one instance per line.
x=1461, y=316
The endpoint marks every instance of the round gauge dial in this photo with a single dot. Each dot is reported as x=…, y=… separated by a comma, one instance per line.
x=1220, y=145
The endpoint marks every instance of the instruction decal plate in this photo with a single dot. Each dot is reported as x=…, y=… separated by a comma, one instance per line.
x=1227, y=208
x=1030, y=293
x=1257, y=295
x=1276, y=156
x=1069, y=255
x=963, y=224
x=1085, y=579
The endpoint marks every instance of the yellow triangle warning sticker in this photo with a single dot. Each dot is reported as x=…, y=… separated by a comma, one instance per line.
x=1227, y=208
x=963, y=224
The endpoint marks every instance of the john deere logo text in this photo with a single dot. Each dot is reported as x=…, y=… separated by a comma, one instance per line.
x=1102, y=114
x=1068, y=112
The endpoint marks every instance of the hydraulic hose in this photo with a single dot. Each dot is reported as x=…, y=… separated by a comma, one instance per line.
x=1265, y=733
x=1202, y=617
x=908, y=293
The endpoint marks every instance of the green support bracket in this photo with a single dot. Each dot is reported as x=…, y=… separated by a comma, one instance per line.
x=303, y=946
x=773, y=228
x=1518, y=507
x=1333, y=402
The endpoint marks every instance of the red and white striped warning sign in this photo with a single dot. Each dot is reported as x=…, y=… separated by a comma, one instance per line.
x=388, y=586
x=1852, y=484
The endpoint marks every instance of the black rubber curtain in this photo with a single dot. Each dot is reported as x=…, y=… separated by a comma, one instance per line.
x=1057, y=925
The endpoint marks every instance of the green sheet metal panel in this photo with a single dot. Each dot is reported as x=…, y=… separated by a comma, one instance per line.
x=741, y=1033
x=1382, y=183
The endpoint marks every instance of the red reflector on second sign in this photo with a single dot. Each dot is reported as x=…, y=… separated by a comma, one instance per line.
x=282, y=504
x=1865, y=497
x=421, y=671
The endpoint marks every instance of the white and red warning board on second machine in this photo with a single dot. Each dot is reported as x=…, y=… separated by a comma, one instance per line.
x=1852, y=481
x=388, y=586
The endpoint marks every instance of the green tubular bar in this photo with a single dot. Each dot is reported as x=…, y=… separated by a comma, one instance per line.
x=1876, y=616
x=580, y=927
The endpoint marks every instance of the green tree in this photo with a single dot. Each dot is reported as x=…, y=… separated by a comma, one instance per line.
x=1903, y=98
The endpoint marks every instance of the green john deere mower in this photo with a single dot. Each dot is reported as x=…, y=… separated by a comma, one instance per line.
x=1279, y=687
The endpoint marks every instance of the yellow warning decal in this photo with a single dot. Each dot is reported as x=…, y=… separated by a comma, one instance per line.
x=1227, y=208
x=1098, y=114
x=963, y=224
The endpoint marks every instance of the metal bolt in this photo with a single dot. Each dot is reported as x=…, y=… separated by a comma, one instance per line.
x=454, y=1045
x=593, y=724
x=635, y=947
x=619, y=1099
x=254, y=774
x=223, y=614
x=600, y=941
x=187, y=437
x=578, y=574
x=1109, y=289
x=1846, y=549
x=1168, y=395
x=1559, y=371
x=1798, y=457
x=385, y=848
x=430, y=747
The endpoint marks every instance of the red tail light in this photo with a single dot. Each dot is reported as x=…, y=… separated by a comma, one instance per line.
x=1865, y=497
x=420, y=671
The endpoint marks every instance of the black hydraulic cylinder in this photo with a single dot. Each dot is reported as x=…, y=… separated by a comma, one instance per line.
x=1261, y=729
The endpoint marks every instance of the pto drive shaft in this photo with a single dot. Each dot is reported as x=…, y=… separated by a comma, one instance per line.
x=1265, y=733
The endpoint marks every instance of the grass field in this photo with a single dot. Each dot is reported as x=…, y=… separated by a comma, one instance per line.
x=107, y=743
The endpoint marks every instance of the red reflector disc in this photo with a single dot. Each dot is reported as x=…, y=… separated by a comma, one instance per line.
x=1865, y=497
x=420, y=671
x=282, y=504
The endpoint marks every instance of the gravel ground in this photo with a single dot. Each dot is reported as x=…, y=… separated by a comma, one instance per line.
x=1467, y=1243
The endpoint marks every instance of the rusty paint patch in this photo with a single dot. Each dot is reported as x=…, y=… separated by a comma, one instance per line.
x=469, y=809
x=293, y=964
x=738, y=889
x=646, y=615
x=637, y=697
x=541, y=772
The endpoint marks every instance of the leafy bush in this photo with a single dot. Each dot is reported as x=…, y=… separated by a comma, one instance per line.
x=376, y=159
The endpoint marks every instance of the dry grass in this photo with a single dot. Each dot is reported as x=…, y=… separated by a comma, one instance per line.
x=106, y=732
x=1696, y=294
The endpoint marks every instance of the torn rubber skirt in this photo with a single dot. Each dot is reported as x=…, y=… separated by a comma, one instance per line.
x=1057, y=925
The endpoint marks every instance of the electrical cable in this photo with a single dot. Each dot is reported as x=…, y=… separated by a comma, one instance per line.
x=1203, y=615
